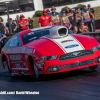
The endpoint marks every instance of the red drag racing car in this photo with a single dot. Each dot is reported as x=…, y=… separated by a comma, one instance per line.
x=49, y=50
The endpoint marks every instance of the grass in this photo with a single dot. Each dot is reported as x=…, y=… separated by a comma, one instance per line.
x=35, y=24
x=97, y=10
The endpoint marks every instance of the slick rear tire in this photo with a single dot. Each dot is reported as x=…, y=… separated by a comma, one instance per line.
x=93, y=67
x=34, y=68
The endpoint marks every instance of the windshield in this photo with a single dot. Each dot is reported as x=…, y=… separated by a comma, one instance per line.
x=31, y=36
x=28, y=37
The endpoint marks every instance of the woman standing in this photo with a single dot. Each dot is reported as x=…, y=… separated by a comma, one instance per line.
x=64, y=20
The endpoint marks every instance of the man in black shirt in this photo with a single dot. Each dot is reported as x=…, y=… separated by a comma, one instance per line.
x=78, y=17
x=2, y=28
x=93, y=16
x=13, y=26
x=30, y=23
x=72, y=19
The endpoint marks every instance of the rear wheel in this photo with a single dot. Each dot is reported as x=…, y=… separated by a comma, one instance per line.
x=93, y=67
x=34, y=68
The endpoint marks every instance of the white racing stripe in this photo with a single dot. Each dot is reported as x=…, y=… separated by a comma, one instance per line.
x=69, y=46
x=59, y=45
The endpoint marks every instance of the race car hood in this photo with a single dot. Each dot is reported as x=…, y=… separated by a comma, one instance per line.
x=63, y=45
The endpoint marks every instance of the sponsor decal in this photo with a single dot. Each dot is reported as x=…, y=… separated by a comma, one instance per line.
x=72, y=46
x=15, y=57
x=18, y=65
x=66, y=41
x=28, y=50
x=26, y=56
x=23, y=50
x=8, y=50
x=24, y=63
x=30, y=33
x=22, y=66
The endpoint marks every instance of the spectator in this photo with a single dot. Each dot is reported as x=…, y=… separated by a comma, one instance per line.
x=79, y=11
x=44, y=19
x=6, y=30
x=2, y=28
x=7, y=22
x=48, y=11
x=17, y=19
x=82, y=28
x=78, y=17
x=72, y=19
x=13, y=26
x=2, y=36
x=23, y=23
x=63, y=10
x=54, y=16
x=92, y=16
x=86, y=17
x=30, y=23
x=64, y=19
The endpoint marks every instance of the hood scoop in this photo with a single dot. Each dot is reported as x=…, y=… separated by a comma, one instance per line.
x=58, y=32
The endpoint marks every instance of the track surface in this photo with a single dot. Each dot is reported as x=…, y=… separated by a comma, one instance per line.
x=81, y=84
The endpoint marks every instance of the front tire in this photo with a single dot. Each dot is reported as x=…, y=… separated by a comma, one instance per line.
x=93, y=67
x=6, y=64
x=34, y=68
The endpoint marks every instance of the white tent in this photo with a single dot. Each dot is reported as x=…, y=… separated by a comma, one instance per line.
x=6, y=1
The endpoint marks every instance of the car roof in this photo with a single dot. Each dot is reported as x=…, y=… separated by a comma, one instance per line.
x=35, y=29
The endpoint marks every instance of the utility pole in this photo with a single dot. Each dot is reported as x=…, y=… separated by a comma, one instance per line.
x=10, y=28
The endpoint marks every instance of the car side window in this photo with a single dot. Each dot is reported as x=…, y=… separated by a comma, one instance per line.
x=15, y=41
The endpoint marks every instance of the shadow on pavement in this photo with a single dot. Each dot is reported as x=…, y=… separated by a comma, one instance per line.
x=5, y=76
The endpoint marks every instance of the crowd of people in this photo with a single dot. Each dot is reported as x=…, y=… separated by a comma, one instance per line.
x=17, y=25
x=78, y=20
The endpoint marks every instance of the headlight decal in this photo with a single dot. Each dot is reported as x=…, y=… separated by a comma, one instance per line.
x=96, y=48
x=49, y=57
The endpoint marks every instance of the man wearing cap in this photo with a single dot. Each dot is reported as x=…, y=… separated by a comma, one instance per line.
x=72, y=19
x=48, y=11
x=92, y=15
x=54, y=16
x=86, y=17
x=13, y=26
x=23, y=23
x=78, y=17
x=44, y=19
x=64, y=19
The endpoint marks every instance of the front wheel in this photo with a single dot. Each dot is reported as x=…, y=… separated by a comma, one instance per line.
x=34, y=68
x=93, y=67
x=8, y=66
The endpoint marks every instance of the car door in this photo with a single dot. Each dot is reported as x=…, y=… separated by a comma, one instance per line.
x=13, y=52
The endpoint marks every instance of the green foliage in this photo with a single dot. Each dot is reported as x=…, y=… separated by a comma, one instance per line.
x=38, y=13
x=1, y=19
x=66, y=6
x=79, y=5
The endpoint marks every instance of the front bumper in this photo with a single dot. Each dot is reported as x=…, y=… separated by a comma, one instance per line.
x=72, y=64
